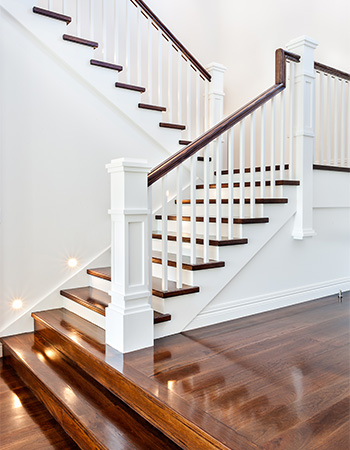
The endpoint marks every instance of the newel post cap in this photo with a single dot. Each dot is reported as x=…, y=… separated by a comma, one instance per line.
x=128, y=164
x=303, y=40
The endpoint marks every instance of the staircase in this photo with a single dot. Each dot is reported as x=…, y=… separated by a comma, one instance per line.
x=232, y=192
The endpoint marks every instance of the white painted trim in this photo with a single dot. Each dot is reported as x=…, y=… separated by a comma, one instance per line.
x=276, y=300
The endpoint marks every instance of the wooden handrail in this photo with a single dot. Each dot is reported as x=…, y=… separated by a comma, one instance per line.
x=331, y=71
x=170, y=35
x=227, y=123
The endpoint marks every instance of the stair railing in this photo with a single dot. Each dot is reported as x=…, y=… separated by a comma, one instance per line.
x=332, y=148
x=130, y=34
x=265, y=143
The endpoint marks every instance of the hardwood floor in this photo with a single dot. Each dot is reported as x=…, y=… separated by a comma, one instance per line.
x=25, y=423
x=281, y=379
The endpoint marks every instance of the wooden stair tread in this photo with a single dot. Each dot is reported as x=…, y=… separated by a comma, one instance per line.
x=101, y=272
x=52, y=14
x=98, y=300
x=186, y=262
x=106, y=65
x=172, y=290
x=237, y=220
x=201, y=158
x=175, y=126
x=90, y=297
x=78, y=40
x=257, y=184
x=152, y=107
x=172, y=236
x=89, y=413
x=130, y=87
x=184, y=142
x=257, y=169
x=236, y=201
x=182, y=421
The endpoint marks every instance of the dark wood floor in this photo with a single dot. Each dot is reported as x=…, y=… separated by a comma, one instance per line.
x=281, y=379
x=25, y=423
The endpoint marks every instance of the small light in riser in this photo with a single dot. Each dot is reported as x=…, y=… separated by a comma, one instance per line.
x=72, y=262
x=17, y=303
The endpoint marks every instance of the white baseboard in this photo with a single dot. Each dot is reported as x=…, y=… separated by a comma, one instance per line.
x=255, y=305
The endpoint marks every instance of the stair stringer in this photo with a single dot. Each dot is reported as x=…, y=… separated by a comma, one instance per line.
x=186, y=308
x=76, y=58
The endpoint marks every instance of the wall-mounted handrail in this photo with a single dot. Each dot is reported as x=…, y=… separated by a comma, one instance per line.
x=331, y=71
x=173, y=38
x=178, y=158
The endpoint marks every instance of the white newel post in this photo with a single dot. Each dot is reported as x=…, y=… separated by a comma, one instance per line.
x=304, y=133
x=129, y=317
x=216, y=96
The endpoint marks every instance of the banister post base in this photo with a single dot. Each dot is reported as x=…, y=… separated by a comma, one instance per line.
x=304, y=134
x=129, y=317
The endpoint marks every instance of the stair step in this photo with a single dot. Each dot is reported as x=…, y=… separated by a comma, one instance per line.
x=130, y=87
x=152, y=107
x=257, y=169
x=172, y=290
x=201, y=158
x=236, y=201
x=175, y=126
x=98, y=300
x=200, y=240
x=186, y=262
x=106, y=65
x=52, y=15
x=88, y=412
x=184, y=142
x=257, y=184
x=237, y=220
x=101, y=272
x=77, y=40
x=84, y=343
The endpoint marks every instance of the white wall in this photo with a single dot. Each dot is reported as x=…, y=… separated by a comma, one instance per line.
x=56, y=137
x=244, y=35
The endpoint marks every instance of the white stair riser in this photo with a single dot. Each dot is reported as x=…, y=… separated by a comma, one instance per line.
x=186, y=228
x=247, y=176
x=99, y=283
x=186, y=210
x=187, y=275
x=247, y=192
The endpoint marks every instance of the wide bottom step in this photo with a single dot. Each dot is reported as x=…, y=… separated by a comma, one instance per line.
x=89, y=413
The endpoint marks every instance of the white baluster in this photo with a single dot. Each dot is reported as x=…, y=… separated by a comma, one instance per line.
x=150, y=68
x=139, y=48
x=115, y=34
x=198, y=106
x=104, y=31
x=283, y=134
x=322, y=115
x=263, y=151
x=160, y=68
x=329, y=121
x=336, y=156
x=291, y=120
x=78, y=17
x=193, y=208
x=242, y=170
x=150, y=228
x=273, y=146
x=218, y=149
x=206, y=106
x=206, y=204
x=179, y=228
x=230, y=181
x=342, y=124
x=179, y=88
x=165, y=233
x=63, y=7
x=252, y=165
x=91, y=19
x=189, y=94
x=170, y=81
x=128, y=31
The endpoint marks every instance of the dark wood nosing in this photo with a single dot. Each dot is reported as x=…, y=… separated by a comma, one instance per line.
x=331, y=168
x=101, y=272
x=77, y=40
x=159, y=317
x=106, y=65
x=257, y=169
x=200, y=240
x=92, y=298
x=52, y=14
x=186, y=264
x=172, y=290
x=257, y=184
x=152, y=107
x=236, y=201
x=174, y=126
x=184, y=142
x=201, y=158
x=238, y=220
x=130, y=87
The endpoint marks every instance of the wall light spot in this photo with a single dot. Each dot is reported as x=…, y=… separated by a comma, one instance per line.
x=72, y=262
x=17, y=303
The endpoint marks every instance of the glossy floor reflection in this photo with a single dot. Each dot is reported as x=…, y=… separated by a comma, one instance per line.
x=281, y=379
